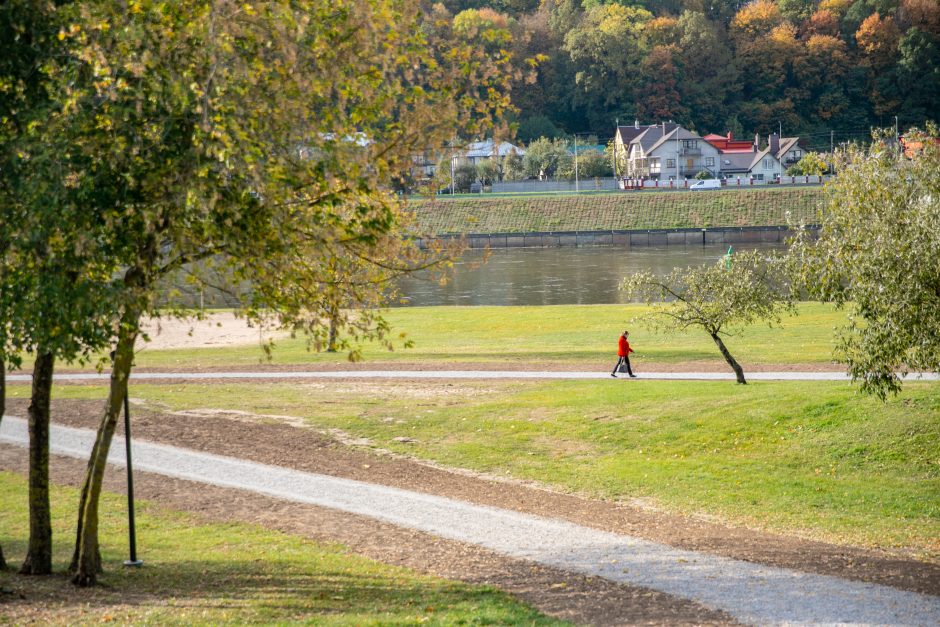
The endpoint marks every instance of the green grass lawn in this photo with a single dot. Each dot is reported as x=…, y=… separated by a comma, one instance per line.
x=577, y=335
x=813, y=458
x=211, y=574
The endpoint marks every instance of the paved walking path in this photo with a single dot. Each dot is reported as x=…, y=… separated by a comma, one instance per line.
x=467, y=374
x=752, y=593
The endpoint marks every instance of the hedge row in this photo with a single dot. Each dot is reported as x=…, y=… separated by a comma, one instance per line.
x=619, y=211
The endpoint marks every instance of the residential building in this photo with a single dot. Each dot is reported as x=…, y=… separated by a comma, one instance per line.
x=745, y=159
x=663, y=151
x=425, y=164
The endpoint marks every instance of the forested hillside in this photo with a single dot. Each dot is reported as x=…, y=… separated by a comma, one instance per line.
x=810, y=67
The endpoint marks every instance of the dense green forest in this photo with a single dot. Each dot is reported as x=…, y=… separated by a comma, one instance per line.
x=822, y=69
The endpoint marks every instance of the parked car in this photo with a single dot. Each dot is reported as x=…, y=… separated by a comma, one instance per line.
x=705, y=184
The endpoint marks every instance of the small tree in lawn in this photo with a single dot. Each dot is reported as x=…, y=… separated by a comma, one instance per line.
x=878, y=255
x=719, y=298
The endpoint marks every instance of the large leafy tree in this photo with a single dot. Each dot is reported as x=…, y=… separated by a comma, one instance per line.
x=51, y=282
x=719, y=299
x=878, y=254
x=608, y=46
x=265, y=138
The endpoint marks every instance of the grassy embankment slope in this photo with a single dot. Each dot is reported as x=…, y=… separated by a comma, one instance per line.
x=213, y=574
x=618, y=211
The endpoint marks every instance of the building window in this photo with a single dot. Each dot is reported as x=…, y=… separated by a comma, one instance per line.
x=797, y=154
x=670, y=163
x=690, y=143
x=654, y=166
x=709, y=161
x=768, y=164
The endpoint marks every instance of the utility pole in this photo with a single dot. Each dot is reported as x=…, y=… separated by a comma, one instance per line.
x=577, y=185
x=896, y=136
x=677, y=156
x=779, y=129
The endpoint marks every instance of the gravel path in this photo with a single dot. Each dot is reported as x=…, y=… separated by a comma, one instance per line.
x=466, y=374
x=751, y=593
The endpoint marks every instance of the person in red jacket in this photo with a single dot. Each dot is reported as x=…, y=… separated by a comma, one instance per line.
x=623, y=355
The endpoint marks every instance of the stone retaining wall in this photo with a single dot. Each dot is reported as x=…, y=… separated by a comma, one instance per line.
x=648, y=237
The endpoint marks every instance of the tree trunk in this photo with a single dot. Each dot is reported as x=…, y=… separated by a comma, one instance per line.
x=39, y=553
x=738, y=372
x=86, y=562
x=331, y=336
x=3, y=407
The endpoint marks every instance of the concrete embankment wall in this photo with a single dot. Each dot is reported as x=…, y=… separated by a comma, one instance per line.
x=647, y=237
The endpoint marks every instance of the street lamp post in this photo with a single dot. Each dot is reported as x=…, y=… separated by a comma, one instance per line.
x=131, y=527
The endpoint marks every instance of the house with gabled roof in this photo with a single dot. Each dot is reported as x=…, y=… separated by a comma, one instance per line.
x=663, y=151
x=746, y=159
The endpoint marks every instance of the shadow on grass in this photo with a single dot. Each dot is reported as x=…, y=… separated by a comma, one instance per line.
x=252, y=590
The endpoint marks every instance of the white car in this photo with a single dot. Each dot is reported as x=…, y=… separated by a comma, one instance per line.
x=705, y=184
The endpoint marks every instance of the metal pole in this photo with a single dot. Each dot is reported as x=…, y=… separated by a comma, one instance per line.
x=132, y=532
x=577, y=186
x=677, y=156
x=452, y=159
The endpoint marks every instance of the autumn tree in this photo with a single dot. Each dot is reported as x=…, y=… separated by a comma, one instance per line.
x=877, y=256
x=658, y=86
x=822, y=22
x=923, y=14
x=719, y=299
x=607, y=46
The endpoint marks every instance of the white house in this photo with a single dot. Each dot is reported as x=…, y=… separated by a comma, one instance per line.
x=663, y=151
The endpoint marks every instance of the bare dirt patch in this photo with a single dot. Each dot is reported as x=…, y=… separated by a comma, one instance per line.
x=216, y=329
x=562, y=594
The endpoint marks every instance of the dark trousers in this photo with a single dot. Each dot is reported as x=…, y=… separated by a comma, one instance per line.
x=623, y=360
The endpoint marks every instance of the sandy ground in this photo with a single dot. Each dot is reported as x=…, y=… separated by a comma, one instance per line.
x=217, y=329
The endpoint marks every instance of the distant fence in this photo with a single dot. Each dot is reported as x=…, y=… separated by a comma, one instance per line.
x=639, y=237
x=730, y=182
x=611, y=184
x=584, y=185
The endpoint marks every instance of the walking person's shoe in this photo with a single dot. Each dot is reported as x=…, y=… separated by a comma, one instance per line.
x=613, y=374
x=633, y=376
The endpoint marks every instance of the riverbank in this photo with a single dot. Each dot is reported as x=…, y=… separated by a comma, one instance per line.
x=621, y=218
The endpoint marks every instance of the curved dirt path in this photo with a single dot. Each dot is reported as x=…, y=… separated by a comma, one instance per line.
x=720, y=587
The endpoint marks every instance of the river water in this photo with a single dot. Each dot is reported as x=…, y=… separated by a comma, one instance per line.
x=555, y=276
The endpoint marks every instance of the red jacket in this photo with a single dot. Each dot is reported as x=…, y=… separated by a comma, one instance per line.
x=623, y=347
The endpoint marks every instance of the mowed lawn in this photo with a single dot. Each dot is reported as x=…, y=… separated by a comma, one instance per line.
x=810, y=458
x=212, y=574
x=583, y=336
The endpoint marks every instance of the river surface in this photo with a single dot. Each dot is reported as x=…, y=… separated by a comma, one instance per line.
x=555, y=276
